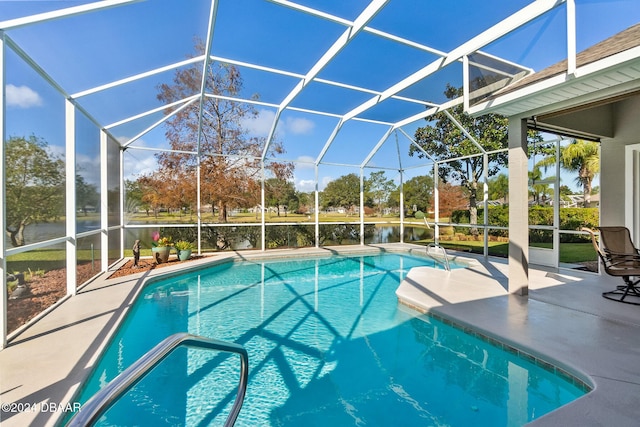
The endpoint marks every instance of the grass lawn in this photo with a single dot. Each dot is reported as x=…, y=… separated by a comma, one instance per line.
x=569, y=252
x=46, y=260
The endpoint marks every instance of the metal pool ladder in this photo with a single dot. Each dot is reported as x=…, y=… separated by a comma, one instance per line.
x=443, y=252
x=101, y=401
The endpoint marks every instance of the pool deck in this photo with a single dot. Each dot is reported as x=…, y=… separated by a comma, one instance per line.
x=564, y=321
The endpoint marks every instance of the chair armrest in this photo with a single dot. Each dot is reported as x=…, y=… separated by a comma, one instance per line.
x=623, y=260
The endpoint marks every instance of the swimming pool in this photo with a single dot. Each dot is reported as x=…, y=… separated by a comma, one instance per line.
x=328, y=345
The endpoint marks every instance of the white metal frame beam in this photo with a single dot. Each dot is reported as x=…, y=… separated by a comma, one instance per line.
x=12, y=24
x=347, y=36
x=70, y=195
x=3, y=206
x=139, y=76
x=502, y=28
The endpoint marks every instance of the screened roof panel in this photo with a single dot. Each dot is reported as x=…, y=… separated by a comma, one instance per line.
x=351, y=59
x=385, y=61
x=442, y=25
x=394, y=153
x=328, y=98
x=392, y=110
x=345, y=9
x=264, y=86
x=354, y=142
x=92, y=49
x=431, y=88
x=141, y=128
x=20, y=8
x=537, y=45
x=129, y=99
x=261, y=32
x=304, y=135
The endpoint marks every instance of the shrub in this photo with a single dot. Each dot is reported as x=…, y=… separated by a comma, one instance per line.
x=446, y=231
x=183, y=245
x=570, y=219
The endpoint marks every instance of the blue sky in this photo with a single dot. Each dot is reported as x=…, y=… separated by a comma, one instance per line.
x=86, y=51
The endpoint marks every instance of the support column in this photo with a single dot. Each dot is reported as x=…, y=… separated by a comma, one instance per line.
x=70, y=195
x=518, y=208
x=122, y=196
x=361, y=207
x=3, y=207
x=263, y=219
x=316, y=195
x=485, y=203
x=401, y=207
x=436, y=205
x=104, y=203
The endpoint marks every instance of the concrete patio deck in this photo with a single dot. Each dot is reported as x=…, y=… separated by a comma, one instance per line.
x=564, y=320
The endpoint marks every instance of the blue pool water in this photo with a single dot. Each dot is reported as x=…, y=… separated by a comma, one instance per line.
x=328, y=345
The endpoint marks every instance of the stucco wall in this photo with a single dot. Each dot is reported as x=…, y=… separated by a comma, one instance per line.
x=613, y=178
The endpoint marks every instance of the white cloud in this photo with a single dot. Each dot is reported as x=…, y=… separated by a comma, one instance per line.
x=89, y=168
x=142, y=163
x=306, y=185
x=326, y=180
x=298, y=126
x=22, y=97
x=261, y=124
x=305, y=162
x=138, y=162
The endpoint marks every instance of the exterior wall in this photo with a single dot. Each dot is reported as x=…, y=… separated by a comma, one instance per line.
x=613, y=178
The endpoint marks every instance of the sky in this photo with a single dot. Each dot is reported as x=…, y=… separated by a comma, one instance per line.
x=86, y=51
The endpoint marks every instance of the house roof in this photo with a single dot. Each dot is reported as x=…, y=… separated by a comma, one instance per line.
x=606, y=70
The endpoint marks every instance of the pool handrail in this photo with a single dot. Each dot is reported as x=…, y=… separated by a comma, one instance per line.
x=103, y=399
x=447, y=267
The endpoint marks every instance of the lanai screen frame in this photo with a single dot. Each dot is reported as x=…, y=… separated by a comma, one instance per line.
x=352, y=28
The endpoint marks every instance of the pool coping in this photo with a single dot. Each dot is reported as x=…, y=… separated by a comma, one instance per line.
x=564, y=324
x=47, y=363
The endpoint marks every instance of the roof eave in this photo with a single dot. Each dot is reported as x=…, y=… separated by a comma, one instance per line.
x=607, y=77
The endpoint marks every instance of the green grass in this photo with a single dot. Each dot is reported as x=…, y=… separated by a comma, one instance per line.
x=50, y=259
x=47, y=260
x=569, y=252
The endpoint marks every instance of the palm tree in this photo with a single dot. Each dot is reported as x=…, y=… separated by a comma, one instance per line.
x=582, y=157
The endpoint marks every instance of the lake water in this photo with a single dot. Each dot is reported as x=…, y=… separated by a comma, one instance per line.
x=45, y=231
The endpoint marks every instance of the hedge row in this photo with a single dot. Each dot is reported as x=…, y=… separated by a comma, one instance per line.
x=225, y=238
x=570, y=219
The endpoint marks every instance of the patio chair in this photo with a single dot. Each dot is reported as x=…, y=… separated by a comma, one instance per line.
x=621, y=259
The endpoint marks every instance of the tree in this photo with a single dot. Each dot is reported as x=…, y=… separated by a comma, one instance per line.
x=444, y=140
x=498, y=188
x=378, y=188
x=134, y=194
x=342, y=192
x=539, y=186
x=582, y=157
x=451, y=198
x=86, y=194
x=418, y=194
x=279, y=192
x=306, y=202
x=34, y=185
x=229, y=158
